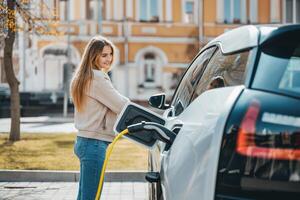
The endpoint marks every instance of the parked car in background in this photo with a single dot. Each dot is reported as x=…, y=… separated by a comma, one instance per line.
x=236, y=116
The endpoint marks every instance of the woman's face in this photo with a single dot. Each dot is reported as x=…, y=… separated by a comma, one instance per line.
x=105, y=58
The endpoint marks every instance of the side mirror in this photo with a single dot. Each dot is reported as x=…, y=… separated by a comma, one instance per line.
x=158, y=101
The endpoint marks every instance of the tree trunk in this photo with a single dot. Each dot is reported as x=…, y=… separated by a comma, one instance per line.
x=10, y=75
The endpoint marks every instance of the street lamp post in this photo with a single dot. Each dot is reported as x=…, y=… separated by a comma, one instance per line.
x=99, y=16
x=126, y=49
x=200, y=23
x=67, y=66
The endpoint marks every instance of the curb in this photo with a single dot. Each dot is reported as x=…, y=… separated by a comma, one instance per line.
x=66, y=176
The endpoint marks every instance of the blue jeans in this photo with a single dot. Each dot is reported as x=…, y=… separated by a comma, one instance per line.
x=91, y=154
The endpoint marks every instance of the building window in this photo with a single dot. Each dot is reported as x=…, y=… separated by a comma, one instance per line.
x=118, y=10
x=63, y=12
x=234, y=11
x=253, y=11
x=149, y=10
x=54, y=5
x=189, y=12
x=149, y=73
x=292, y=11
x=149, y=68
x=275, y=11
x=91, y=7
x=42, y=9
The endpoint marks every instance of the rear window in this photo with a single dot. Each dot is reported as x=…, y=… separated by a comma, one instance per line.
x=279, y=68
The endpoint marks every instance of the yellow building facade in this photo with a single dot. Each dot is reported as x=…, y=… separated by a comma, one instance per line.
x=222, y=15
x=155, y=39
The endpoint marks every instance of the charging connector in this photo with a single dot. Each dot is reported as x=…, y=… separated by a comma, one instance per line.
x=160, y=132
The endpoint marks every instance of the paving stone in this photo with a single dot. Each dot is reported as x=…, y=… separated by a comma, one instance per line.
x=68, y=191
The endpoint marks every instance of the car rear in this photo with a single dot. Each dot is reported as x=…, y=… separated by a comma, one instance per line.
x=260, y=150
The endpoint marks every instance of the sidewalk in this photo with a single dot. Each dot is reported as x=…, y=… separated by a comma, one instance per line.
x=63, y=185
x=68, y=191
x=42, y=124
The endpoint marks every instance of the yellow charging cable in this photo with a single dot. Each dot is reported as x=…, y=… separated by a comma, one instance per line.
x=107, y=155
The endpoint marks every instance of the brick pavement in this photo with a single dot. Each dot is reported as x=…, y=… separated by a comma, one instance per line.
x=68, y=191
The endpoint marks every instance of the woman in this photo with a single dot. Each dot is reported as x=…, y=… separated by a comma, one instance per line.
x=97, y=104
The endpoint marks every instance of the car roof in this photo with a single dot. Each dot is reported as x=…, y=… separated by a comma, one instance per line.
x=241, y=38
x=237, y=39
x=285, y=31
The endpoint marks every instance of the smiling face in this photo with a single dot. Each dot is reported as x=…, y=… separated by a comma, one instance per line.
x=105, y=58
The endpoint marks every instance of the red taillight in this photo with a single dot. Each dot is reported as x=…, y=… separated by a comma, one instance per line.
x=246, y=139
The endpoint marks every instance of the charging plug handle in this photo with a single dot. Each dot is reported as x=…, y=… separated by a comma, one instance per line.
x=162, y=133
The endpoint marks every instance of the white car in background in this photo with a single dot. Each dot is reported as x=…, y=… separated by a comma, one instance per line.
x=232, y=129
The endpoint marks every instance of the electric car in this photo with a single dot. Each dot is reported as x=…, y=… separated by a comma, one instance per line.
x=232, y=128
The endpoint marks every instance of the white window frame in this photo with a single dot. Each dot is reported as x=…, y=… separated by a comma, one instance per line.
x=156, y=75
x=54, y=9
x=107, y=9
x=160, y=58
x=59, y=73
x=118, y=9
x=148, y=64
x=160, y=10
x=159, y=4
x=62, y=10
x=137, y=10
x=72, y=6
x=67, y=14
x=195, y=11
x=275, y=11
x=253, y=11
x=82, y=10
x=129, y=8
x=221, y=13
x=169, y=11
x=243, y=11
x=294, y=17
x=45, y=9
x=94, y=9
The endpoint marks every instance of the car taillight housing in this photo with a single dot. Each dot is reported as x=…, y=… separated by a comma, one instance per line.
x=268, y=145
x=260, y=149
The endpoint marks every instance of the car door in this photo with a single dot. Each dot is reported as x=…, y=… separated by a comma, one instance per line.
x=187, y=167
x=180, y=101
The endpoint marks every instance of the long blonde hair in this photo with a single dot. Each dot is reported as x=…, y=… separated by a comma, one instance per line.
x=84, y=74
